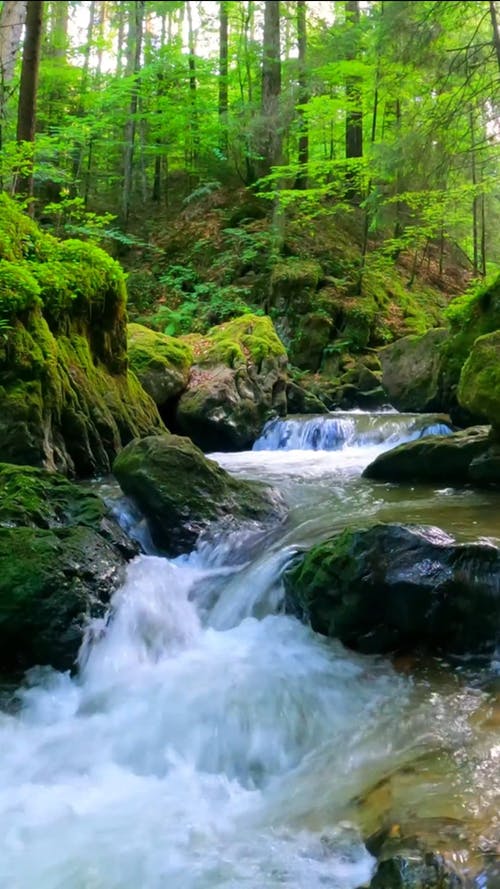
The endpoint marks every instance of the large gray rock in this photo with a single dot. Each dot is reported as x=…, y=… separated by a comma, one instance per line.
x=237, y=383
x=437, y=458
x=411, y=369
x=62, y=557
x=182, y=494
x=397, y=588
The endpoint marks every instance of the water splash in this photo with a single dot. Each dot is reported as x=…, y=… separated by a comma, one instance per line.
x=338, y=430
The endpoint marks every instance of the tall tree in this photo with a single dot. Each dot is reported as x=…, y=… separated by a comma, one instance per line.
x=223, y=72
x=26, y=113
x=270, y=143
x=354, y=100
x=134, y=48
x=303, y=152
x=12, y=18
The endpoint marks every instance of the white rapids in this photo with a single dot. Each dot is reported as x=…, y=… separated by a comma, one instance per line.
x=209, y=740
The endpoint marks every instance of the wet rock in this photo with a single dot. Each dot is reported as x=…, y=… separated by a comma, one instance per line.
x=62, y=556
x=397, y=588
x=437, y=458
x=411, y=369
x=160, y=362
x=182, y=494
x=302, y=401
x=238, y=381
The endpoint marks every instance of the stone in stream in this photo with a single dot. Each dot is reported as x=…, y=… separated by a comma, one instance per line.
x=237, y=382
x=182, y=494
x=438, y=458
x=62, y=558
x=393, y=587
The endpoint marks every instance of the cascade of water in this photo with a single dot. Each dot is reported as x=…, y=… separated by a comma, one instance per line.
x=334, y=431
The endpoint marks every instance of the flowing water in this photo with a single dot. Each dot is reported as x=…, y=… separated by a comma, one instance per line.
x=209, y=740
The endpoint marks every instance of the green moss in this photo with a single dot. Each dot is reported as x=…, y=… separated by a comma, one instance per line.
x=248, y=338
x=32, y=497
x=146, y=346
x=293, y=274
x=479, y=386
x=19, y=290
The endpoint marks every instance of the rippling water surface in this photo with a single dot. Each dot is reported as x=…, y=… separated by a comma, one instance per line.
x=211, y=741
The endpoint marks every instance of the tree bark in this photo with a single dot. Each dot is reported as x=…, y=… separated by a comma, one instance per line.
x=12, y=18
x=354, y=112
x=496, y=30
x=26, y=113
x=270, y=148
x=134, y=46
x=223, y=72
x=195, y=135
x=303, y=147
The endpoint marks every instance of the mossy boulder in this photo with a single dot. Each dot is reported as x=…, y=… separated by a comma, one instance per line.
x=293, y=282
x=160, y=362
x=67, y=400
x=311, y=338
x=182, y=494
x=396, y=588
x=436, y=458
x=479, y=386
x=411, y=371
x=62, y=556
x=238, y=381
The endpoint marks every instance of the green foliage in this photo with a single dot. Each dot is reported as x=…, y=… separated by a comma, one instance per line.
x=19, y=290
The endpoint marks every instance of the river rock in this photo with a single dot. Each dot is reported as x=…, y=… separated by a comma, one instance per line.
x=182, y=494
x=411, y=369
x=62, y=557
x=397, y=588
x=436, y=458
x=479, y=387
x=67, y=399
x=160, y=362
x=238, y=381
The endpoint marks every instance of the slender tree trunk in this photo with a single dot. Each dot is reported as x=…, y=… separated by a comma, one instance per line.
x=223, y=72
x=271, y=88
x=26, y=113
x=12, y=18
x=193, y=98
x=483, y=235
x=133, y=67
x=78, y=154
x=496, y=30
x=354, y=113
x=475, y=200
x=303, y=152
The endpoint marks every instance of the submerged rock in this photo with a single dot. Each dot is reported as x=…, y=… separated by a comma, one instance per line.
x=238, y=382
x=397, y=588
x=437, y=458
x=182, y=494
x=62, y=557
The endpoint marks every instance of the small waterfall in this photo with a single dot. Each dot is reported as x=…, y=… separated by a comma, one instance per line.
x=338, y=430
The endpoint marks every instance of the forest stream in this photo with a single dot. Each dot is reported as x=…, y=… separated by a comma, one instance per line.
x=211, y=740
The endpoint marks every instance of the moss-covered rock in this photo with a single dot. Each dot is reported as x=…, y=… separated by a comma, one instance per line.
x=237, y=383
x=67, y=400
x=397, y=588
x=437, y=458
x=479, y=386
x=160, y=362
x=311, y=338
x=61, y=558
x=293, y=282
x=411, y=370
x=182, y=494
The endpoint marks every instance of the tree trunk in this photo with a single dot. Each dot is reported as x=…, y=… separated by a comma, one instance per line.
x=193, y=99
x=303, y=148
x=12, y=18
x=270, y=148
x=26, y=113
x=223, y=72
x=134, y=46
x=496, y=31
x=354, y=112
